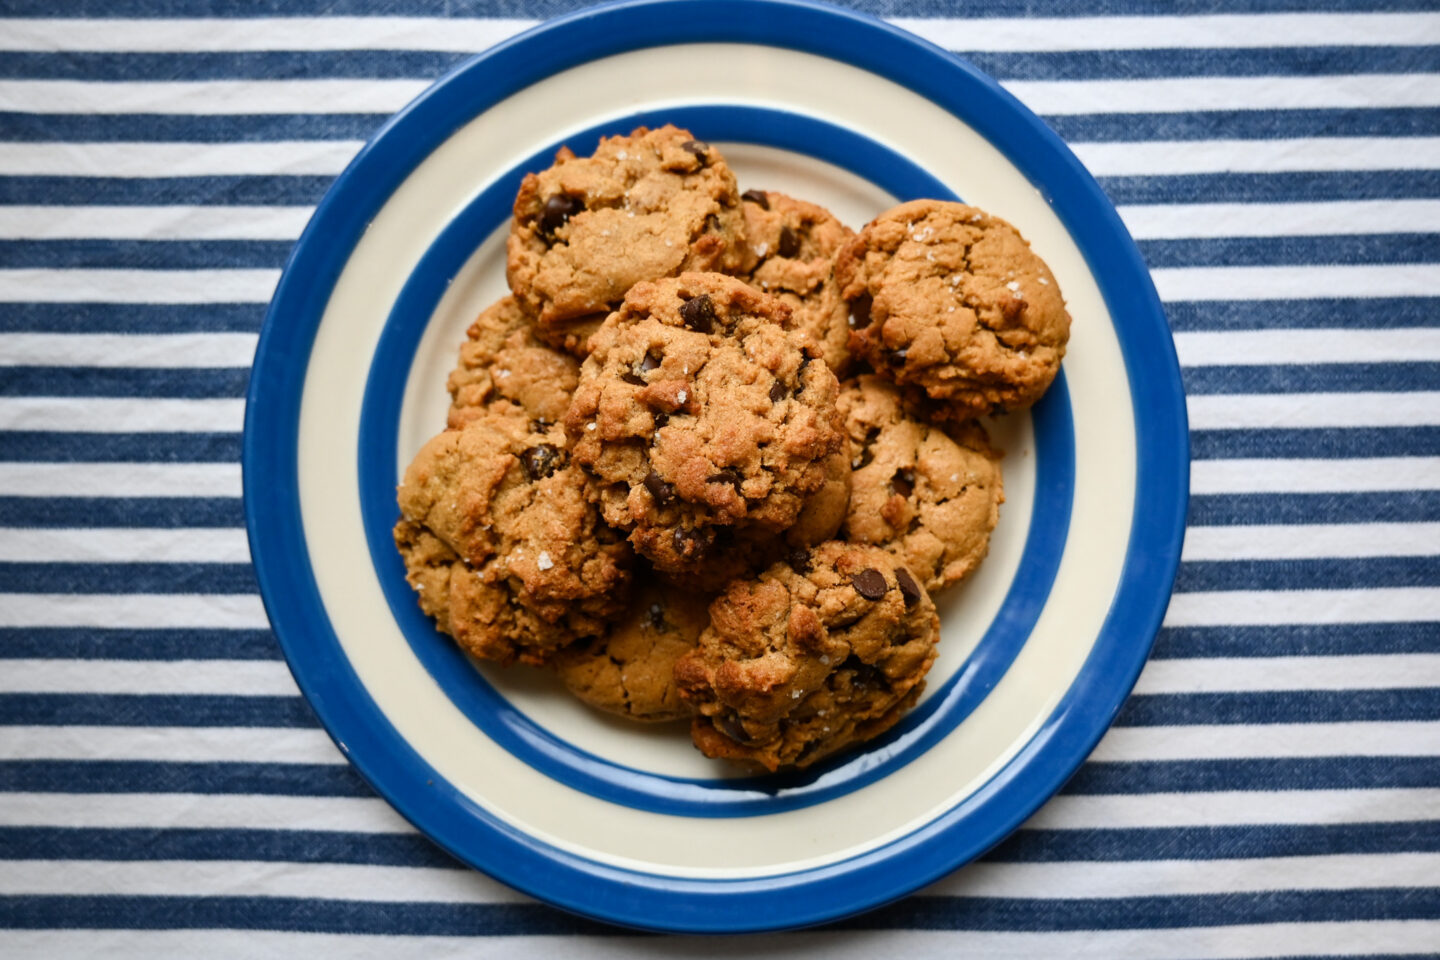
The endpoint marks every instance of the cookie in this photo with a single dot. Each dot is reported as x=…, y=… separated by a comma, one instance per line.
x=814, y=655
x=504, y=365
x=954, y=302
x=928, y=496
x=649, y=205
x=630, y=671
x=533, y=568
x=791, y=248
x=698, y=411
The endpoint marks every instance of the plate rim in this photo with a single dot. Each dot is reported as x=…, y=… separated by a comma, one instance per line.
x=654, y=901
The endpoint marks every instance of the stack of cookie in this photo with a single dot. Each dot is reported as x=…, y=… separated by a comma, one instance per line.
x=655, y=481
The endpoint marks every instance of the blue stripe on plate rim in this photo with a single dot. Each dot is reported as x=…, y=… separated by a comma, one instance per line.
x=630, y=897
x=560, y=760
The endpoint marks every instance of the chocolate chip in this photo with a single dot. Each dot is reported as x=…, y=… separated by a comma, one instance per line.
x=909, y=589
x=800, y=376
x=730, y=726
x=540, y=461
x=860, y=312
x=729, y=475
x=757, y=197
x=712, y=223
x=777, y=392
x=692, y=544
x=699, y=313
x=664, y=493
x=864, y=676
x=661, y=419
x=649, y=362
x=699, y=148
x=634, y=378
x=870, y=583
x=799, y=560
x=539, y=425
x=903, y=482
x=657, y=617
x=789, y=243
x=559, y=209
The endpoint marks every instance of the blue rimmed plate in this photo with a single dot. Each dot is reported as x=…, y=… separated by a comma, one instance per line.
x=628, y=823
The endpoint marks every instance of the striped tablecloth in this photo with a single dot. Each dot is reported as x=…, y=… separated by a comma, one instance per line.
x=1273, y=787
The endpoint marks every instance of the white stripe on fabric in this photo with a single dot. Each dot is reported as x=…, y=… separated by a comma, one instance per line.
x=1267, y=740
x=246, y=878
x=1314, y=476
x=1309, y=541
x=1235, y=807
x=1301, y=154
x=1238, y=608
x=153, y=223
x=178, y=811
x=1297, y=282
x=121, y=415
x=137, y=286
x=209, y=97
x=1165, y=221
x=1227, y=411
x=241, y=678
x=1213, y=348
x=319, y=157
x=1186, y=94
x=125, y=545
x=140, y=610
x=120, y=479
x=167, y=350
x=1391, y=671
x=170, y=744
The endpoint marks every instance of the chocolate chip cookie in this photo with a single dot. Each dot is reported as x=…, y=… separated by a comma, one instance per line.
x=953, y=301
x=630, y=671
x=929, y=496
x=649, y=205
x=699, y=410
x=814, y=655
x=792, y=246
x=503, y=365
x=531, y=567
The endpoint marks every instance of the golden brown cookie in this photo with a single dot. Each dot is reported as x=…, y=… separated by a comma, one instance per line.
x=954, y=302
x=503, y=365
x=792, y=246
x=630, y=671
x=816, y=654
x=533, y=568
x=649, y=205
x=929, y=496
x=699, y=411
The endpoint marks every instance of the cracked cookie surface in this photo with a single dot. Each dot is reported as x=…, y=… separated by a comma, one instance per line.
x=630, y=671
x=530, y=566
x=649, y=205
x=929, y=496
x=791, y=247
x=814, y=655
x=701, y=419
x=953, y=301
x=503, y=364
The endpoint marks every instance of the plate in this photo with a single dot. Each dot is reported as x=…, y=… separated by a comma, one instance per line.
x=625, y=823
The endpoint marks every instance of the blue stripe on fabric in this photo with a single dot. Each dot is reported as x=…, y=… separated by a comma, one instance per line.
x=67, y=447
x=1348, y=573
x=1262, y=187
x=1215, y=843
x=180, y=191
x=1317, y=378
x=196, y=128
x=1319, y=443
x=124, y=578
x=1288, y=706
x=153, y=710
x=131, y=317
x=271, y=846
x=1270, y=773
x=1279, y=251
x=122, y=511
x=1246, y=124
x=151, y=776
x=1004, y=65
x=191, y=383
x=1231, y=509
x=1297, y=640
x=102, y=643
x=144, y=254
x=1332, y=313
